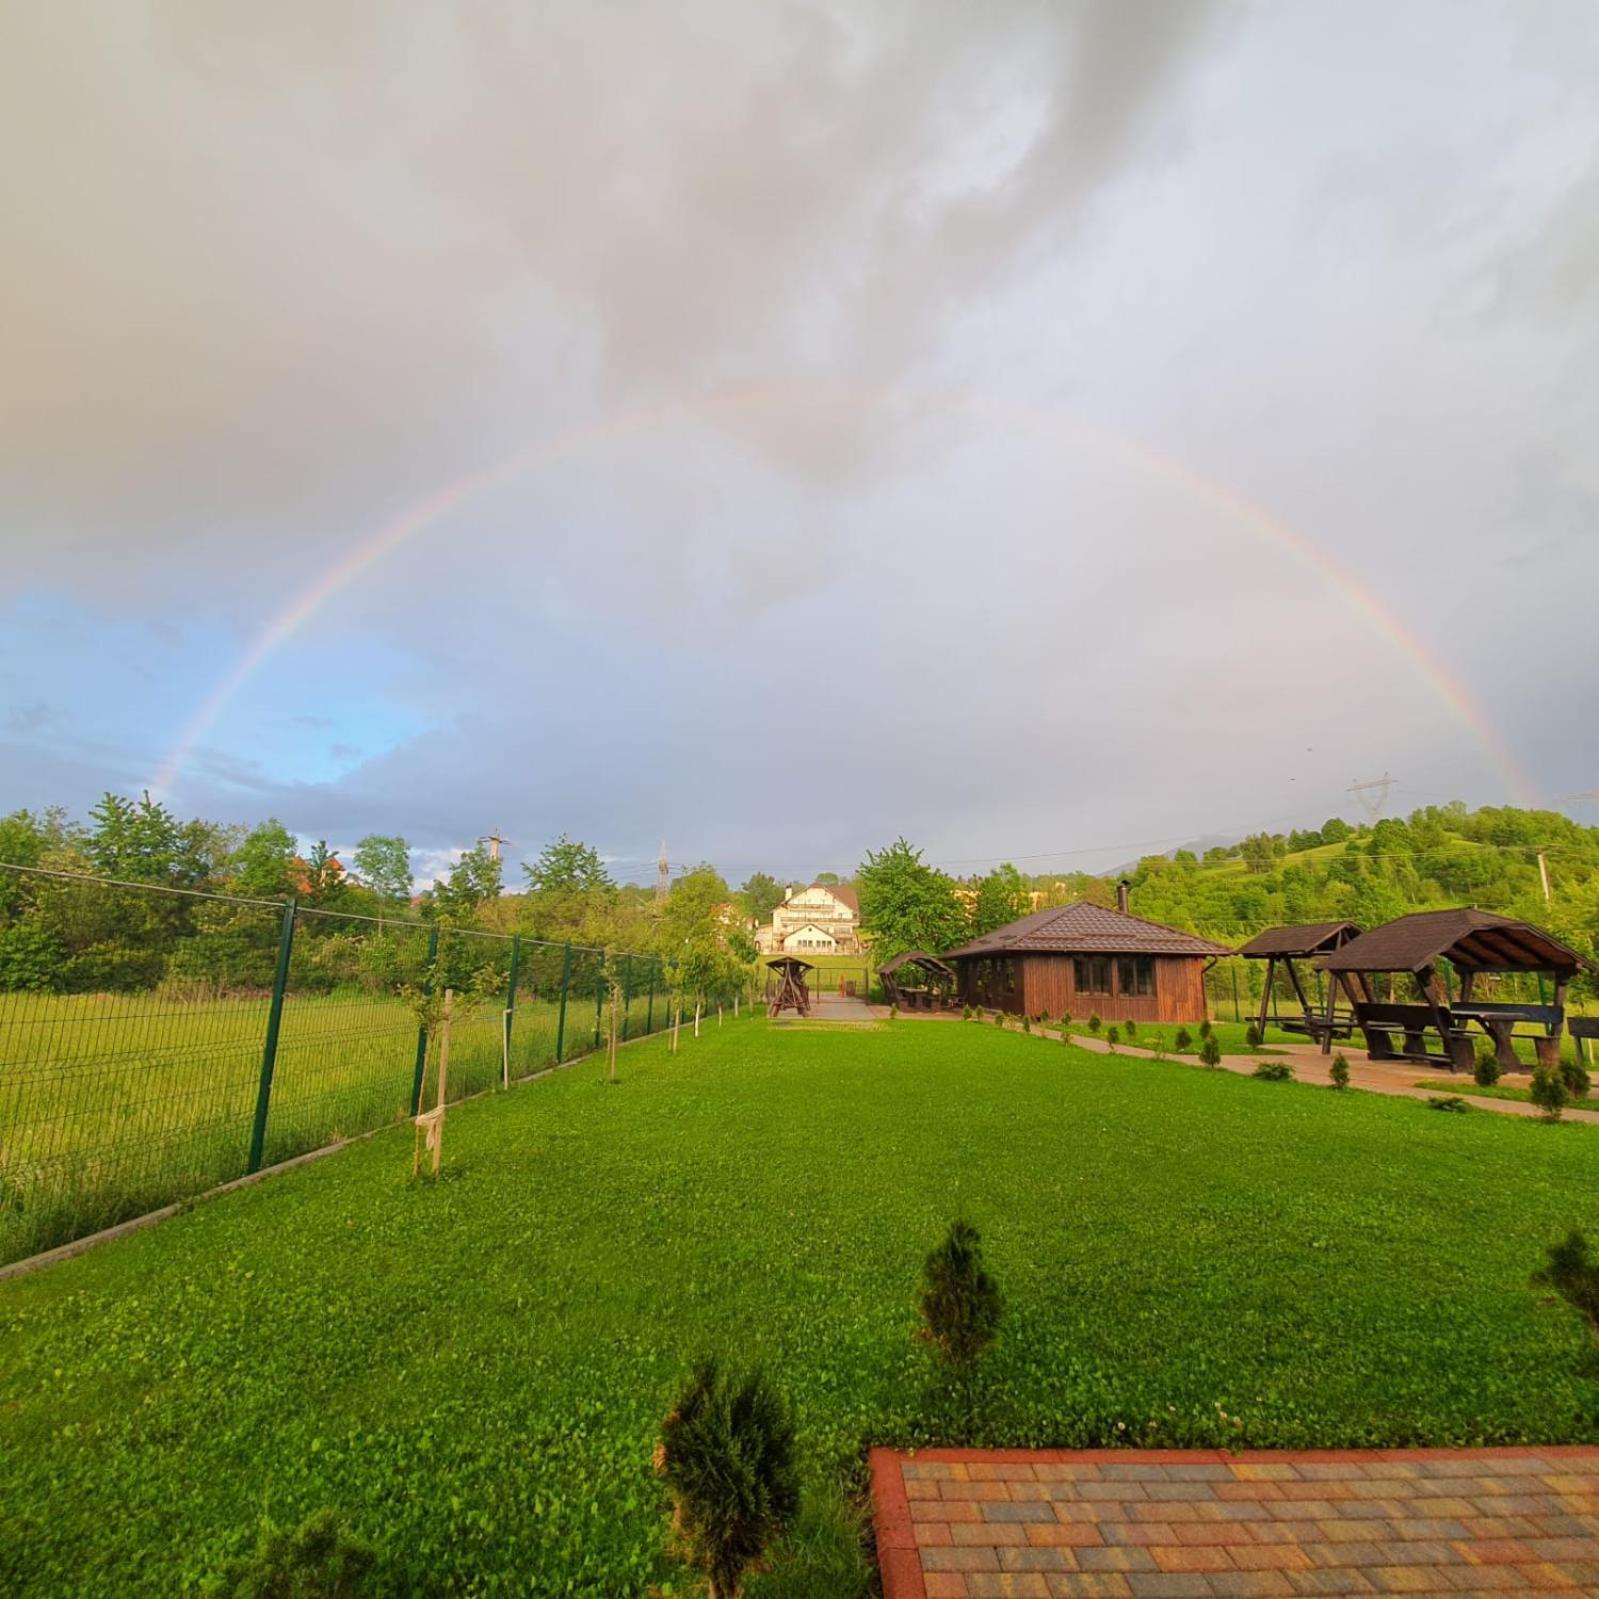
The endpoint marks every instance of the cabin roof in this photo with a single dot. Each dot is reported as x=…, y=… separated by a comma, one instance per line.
x=914, y=957
x=1087, y=929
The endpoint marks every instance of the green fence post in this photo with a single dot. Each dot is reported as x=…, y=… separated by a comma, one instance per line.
x=560, y=1025
x=627, y=991
x=269, y=1047
x=510, y=999
x=649, y=1015
x=422, y=1032
x=1238, y=1015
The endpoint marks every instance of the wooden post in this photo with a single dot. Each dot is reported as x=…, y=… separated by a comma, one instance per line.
x=1265, y=992
x=699, y=1003
x=432, y=1122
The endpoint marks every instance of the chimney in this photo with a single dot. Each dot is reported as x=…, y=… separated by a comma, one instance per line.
x=1121, y=895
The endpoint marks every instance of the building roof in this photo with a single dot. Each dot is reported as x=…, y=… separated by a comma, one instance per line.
x=914, y=957
x=1087, y=929
x=1307, y=938
x=1470, y=939
x=842, y=892
x=808, y=927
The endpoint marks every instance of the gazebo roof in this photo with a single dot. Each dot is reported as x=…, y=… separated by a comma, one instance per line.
x=915, y=957
x=1472, y=940
x=1305, y=938
x=1087, y=929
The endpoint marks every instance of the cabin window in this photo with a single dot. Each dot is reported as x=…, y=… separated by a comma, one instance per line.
x=1091, y=974
x=1135, y=974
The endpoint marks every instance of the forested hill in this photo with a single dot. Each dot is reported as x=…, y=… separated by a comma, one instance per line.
x=1438, y=856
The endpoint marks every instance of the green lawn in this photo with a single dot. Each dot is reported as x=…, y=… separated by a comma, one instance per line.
x=474, y=1370
x=1230, y=1035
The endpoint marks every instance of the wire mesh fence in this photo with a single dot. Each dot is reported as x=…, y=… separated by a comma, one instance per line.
x=155, y=1042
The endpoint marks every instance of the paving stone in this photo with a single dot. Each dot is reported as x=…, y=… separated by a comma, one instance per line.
x=1192, y=1557
x=1035, y=1557
x=1026, y=1511
x=945, y=1585
x=1007, y=1585
x=1168, y=1585
x=1089, y=1585
x=1250, y=1584
x=971, y=1533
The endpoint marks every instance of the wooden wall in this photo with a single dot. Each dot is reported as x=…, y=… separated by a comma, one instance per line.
x=1045, y=983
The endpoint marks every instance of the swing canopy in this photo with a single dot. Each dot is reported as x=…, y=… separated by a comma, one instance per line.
x=1302, y=941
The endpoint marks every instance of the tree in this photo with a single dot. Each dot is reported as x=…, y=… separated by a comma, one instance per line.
x=906, y=904
x=261, y=865
x=1259, y=855
x=568, y=866
x=762, y=895
x=324, y=876
x=474, y=880
x=829, y=879
x=960, y=1304
x=138, y=840
x=1549, y=1092
x=1002, y=896
x=1334, y=830
x=383, y=863
x=727, y=1457
x=1573, y=1273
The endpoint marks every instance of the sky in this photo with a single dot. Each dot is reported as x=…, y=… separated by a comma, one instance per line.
x=1045, y=431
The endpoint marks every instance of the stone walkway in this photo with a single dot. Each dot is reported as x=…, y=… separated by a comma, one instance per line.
x=1202, y=1524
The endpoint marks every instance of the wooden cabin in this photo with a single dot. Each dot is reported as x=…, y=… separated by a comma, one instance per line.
x=1080, y=959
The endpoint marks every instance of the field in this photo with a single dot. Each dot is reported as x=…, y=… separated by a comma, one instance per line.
x=473, y=1370
x=112, y=1105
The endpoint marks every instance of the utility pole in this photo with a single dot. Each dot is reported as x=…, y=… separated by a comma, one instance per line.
x=494, y=841
x=1543, y=877
x=1373, y=796
x=663, y=876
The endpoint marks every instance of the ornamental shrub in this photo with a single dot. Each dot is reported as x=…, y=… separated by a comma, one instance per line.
x=1027, y=1024
x=1485, y=1068
x=960, y=1305
x=1340, y=1070
x=1113, y=1038
x=317, y=1560
x=1210, y=1050
x=1575, y=1078
x=1094, y=1023
x=1573, y=1273
x=999, y=1018
x=1549, y=1092
x=1204, y=1028
x=1132, y=1030
x=726, y=1454
x=1183, y=1040
x=1252, y=1039
x=31, y=959
x=1274, y=1071
x=1065, y=1018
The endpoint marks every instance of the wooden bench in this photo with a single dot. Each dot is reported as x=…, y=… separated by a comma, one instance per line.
x=1379, y=1022
x=1498, y=1019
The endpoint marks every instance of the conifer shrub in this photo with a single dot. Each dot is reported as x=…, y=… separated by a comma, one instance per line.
x=319, y=1559
x=1576, y=1079
x=1573, y=1273
x=1210, y=1050
x=1094, y=1023
x=1340, y=1070
x=1027, y=1023
x=1274, y=1071
x=1183, y=1040
x=1065, y=1018
x=960, y=1304
x=726, y=1455
x=1252, y=1038
x=999, y=1018
x=1131, y=1030
x=1043, y=1018
x=1549, y=1092
x=1113, y=1037
x=1485, y=1068
x=1204, y=1028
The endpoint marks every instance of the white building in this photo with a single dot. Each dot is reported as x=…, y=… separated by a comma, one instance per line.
x=823, y=919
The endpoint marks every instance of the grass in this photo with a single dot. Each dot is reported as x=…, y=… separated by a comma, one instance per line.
x=473, y=1370
x=113, y=1105
x=1230, y=1035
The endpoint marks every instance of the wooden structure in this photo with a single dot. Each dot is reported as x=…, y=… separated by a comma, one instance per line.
x=936, y=991
x=1283, y=946
x=791, y=992
x=1474, y=944
x=1082, y=959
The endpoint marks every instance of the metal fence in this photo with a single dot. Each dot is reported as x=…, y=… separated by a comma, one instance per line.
x=157, y=1042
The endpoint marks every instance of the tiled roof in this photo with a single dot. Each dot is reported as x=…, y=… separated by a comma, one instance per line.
x=1469, y=938
x=1308, y=938
x=1086, y=929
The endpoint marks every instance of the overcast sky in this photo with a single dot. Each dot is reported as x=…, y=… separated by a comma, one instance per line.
x=867, y=418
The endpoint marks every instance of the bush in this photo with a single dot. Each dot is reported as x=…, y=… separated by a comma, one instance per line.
x=726, y=1455
x=1452, y=1103
x=1575, y=1078
x=1113, y=1037
x=1065, y=1018
x=1252, y=1038
x=1274, y=1071
x=1340, y=1070
x=1043, y=1018
x=318, y=1560
x=31, y=959
x=1549, y=1092
x=1094, y=1023
x=1027, y=1024
x=1204, y=1028
x=111, y=969
x=1210, y=1050
x=1485, y=1069
x=1183, y=1040
x=893, y=1011
x=1573, y=1273
x=1132, y=1031
x=999, y=1018
x=960, y=1304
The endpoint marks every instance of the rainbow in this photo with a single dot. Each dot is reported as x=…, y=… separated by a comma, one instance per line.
x=1130, y=452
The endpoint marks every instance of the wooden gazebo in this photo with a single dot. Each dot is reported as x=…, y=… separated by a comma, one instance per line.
x=934, y=992
x=1474, y=943
x=791, y=992
x=1283, y=946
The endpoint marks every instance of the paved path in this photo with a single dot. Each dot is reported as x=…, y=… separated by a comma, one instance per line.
x=1202, y=1524
x=1378, y=1077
